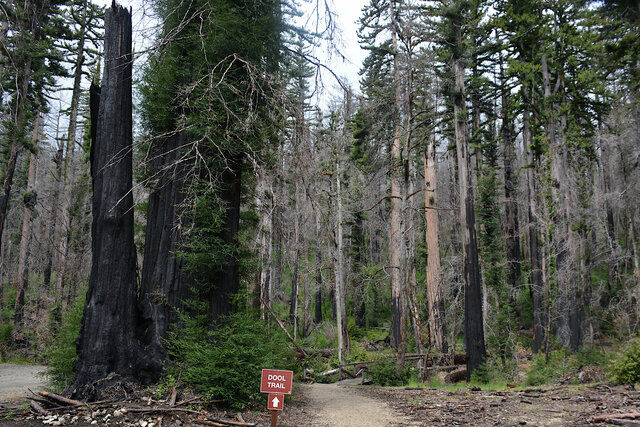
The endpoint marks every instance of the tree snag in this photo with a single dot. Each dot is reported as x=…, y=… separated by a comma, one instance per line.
x=107, y=342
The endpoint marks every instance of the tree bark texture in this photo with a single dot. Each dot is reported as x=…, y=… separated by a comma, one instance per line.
x=473, y=319
x=164, y=283
x=107, y=342
x=228, y=283
x=29, y=201
x=435, y=297
x=340, y=294
x=317, y=316
x=265, y=201
x=537, y=282
x=396, y=236
x=512, y=226
x=51, y=243
x=67, y=182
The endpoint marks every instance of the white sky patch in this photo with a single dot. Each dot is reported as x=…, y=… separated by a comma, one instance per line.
x=348, y=62
x=345, y=63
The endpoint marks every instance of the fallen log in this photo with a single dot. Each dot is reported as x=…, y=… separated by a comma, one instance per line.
x=442, y=368
x=163, y=410
x=193, y=399
x=439, y=359
x=231, y=423
x=37, y=408
x=60, y=399
x=456, y=376
x=605, y=418
x=626, y=423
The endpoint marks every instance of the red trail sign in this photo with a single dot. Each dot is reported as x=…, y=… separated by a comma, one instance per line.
x=275, y=402
x=275, y=381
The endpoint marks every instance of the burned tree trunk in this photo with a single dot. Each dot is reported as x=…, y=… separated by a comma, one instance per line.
x=165, y=283
x=228, y=283
x=107, y=342
x=473, y=315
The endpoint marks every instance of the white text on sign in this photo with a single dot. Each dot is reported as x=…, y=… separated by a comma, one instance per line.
x=276, y=381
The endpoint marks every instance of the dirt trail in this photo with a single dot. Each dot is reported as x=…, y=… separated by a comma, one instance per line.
x=341, y=405
x=16, y=380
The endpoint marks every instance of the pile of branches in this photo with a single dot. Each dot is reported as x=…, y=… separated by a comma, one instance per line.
x=54, y=409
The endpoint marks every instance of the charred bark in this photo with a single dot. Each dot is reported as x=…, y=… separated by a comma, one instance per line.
x=165, y=284
x=228, y=283
x=473, y=313
x=107, y=342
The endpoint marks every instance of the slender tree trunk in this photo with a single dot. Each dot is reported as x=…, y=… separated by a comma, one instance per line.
x=14, y=144
x=293, y=306
x=4, y=27
x=5, y=256
x=278, y=230
x=514, y=275
x=317, y=319
x=52, y=226
x=65, y=226
x=474, y=333
x=613, y=275
x=396, y=236
x=266, y=250
x=341, y=317
x=108, y=342
x=435, y=298
x=306, y=308
x=30, y=200
x=537, y=283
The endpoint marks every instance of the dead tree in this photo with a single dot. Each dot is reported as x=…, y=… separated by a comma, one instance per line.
x=107, y=342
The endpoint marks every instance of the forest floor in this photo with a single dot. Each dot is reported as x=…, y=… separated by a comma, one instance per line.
x=559, y=405
x=350, y=404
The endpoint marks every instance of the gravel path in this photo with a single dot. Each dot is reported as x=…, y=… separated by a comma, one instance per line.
x=15, y=380
x=341, y=405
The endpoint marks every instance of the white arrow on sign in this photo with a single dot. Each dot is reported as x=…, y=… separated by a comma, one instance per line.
x=276, y=402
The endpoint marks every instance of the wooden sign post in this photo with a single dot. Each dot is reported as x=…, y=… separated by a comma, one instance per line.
x=277, y=383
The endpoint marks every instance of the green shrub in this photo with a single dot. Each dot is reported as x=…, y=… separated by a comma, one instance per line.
x=384, y=373
x=226, y=364
x=481, y=374
x=543, y=371
x=594, y=356
x=62, y=353
x=6, y=330
x=626, y=369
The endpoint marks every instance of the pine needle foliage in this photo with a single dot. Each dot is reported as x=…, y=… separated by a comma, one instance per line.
x=226, y=364
x=626, y=369
x=62, y=354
